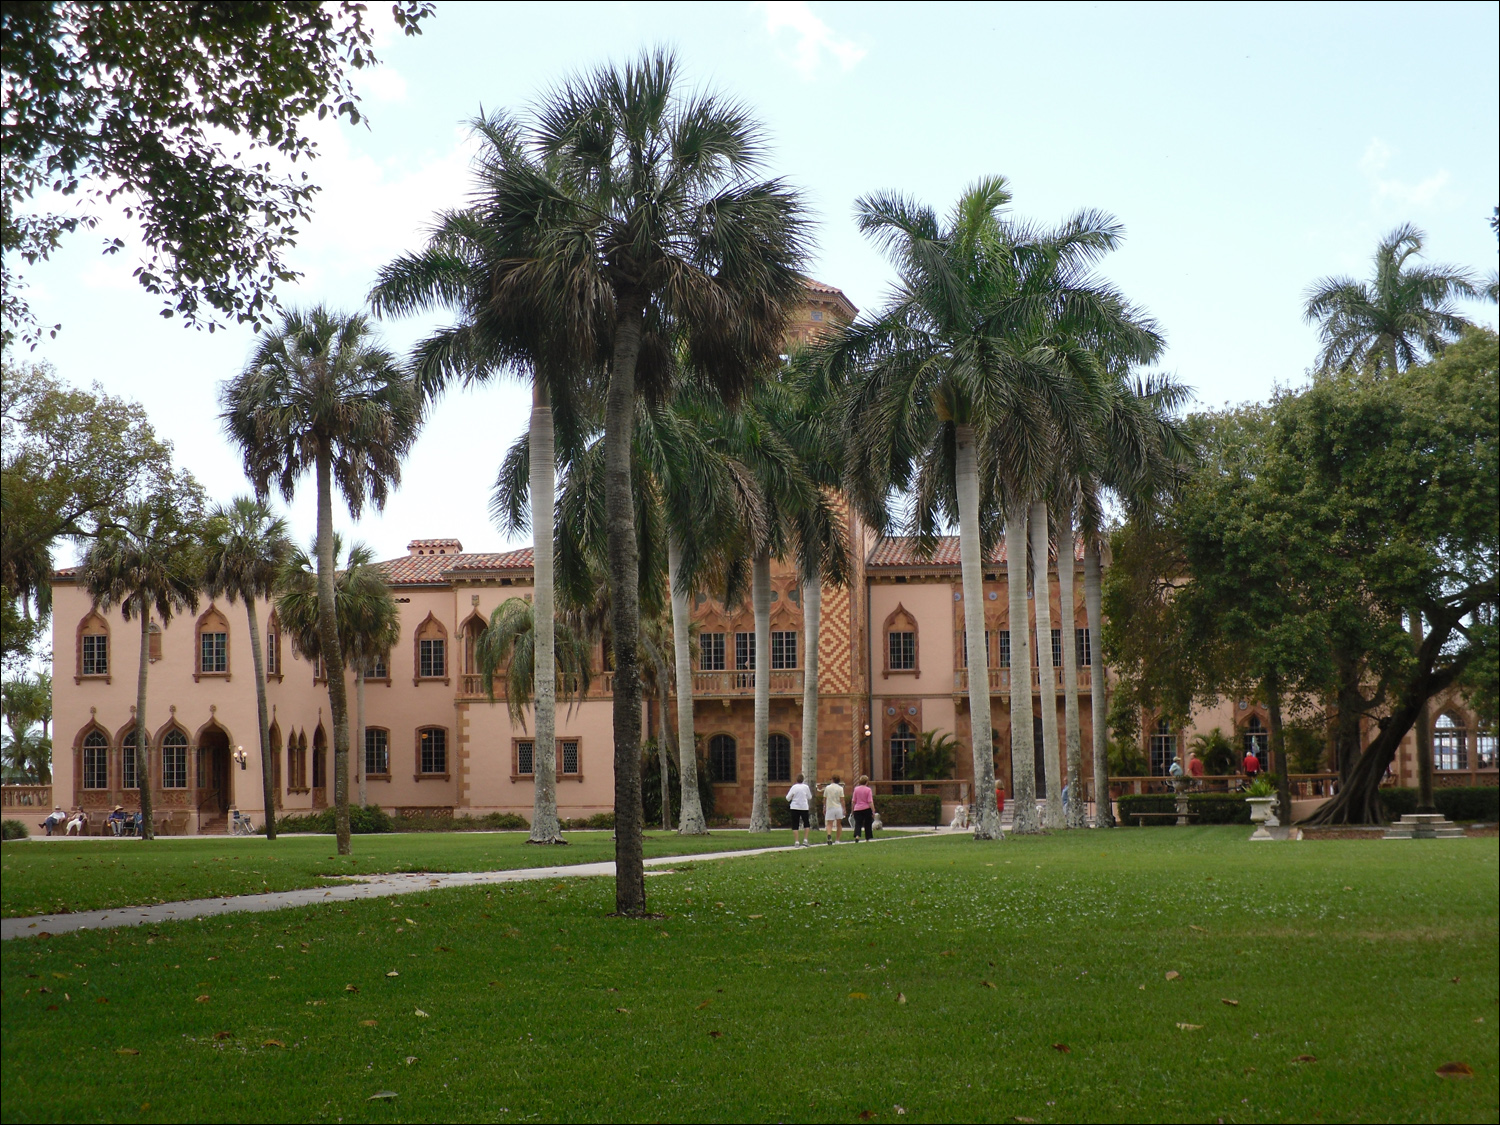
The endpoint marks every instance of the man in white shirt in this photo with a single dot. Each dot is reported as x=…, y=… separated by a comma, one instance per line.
x=799, y=797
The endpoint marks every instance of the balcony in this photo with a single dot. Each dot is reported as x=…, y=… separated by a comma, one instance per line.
x=1000, y=680
x=741, y=684
x=601, y=686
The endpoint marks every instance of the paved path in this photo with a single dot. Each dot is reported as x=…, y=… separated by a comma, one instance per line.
x=346, y=889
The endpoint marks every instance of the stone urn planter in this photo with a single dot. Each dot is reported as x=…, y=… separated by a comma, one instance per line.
x=1263, y=815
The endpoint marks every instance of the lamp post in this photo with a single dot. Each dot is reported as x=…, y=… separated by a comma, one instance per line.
x=868, y=751
x=240, y=757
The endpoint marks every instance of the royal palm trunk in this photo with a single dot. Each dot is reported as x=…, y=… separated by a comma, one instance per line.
x=333, y=655
x=544, y=825
x=986, y=817
x=1045, y=670
x=359, y=735
x=263, y=717
x=1078, y=799
x=625, y=606
x=812, y=613
x=1022, y=742
x=1423, y=729
x=760, y=600
x=690, y=810
x=142, y=733
x=1093, y=605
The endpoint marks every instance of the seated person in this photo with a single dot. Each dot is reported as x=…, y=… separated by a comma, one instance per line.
x=116, y=820
x=79, y=822
x=55, y=819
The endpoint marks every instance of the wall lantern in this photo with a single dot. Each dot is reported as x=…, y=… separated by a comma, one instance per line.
x=240, y=756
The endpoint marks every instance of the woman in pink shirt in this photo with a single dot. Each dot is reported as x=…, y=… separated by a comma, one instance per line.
x=863, y=809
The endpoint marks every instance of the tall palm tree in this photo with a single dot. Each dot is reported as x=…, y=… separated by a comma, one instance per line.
x=949, y=405
x=1405, y=312
x=146, y=561
x=244, y=546
x=320, y=394
x=507, y=649
x=367, y=617
x=646, y=218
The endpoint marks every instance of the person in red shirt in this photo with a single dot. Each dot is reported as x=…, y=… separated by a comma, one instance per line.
x=1195, y=766
x=1252, y=765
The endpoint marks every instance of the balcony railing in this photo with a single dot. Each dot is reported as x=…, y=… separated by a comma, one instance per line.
x=1301, y=784
x=601, y=686
x=713, y=685
x=26, y=796
x=1000, y=680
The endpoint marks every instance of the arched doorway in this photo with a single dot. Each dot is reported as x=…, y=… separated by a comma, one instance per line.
x=320, y=769
x=215, y=779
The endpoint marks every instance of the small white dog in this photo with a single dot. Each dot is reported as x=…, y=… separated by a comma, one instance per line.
x=960, y=817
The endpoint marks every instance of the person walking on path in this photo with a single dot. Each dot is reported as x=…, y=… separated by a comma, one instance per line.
x=833, y=810
x=799, y=797
x=863, y=809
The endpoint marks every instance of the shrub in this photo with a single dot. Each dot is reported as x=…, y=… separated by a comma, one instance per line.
x=913, y=809
x=1208, y=808
x=599, y=821
x=1215, y=752
x=363, y=821
x=489, y=822
x=1481, y=802
x=13, y=830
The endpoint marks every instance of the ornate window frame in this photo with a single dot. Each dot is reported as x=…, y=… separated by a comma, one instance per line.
x=418, y=773
x=210, y=616
x=898, y=616
x=420, y=634
x=86, y=628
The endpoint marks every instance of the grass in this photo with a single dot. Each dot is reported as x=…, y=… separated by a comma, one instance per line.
x=71, y=875
x=837, y=984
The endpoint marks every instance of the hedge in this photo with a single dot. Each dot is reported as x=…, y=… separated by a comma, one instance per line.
x=1210, y=808
x=14, y=830
x=924, y=809
x=374, y=819
x=1478, y=802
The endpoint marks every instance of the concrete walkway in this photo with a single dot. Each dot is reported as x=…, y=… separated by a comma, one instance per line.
x=346, y=889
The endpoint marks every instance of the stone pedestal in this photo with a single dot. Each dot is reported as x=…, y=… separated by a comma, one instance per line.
x=1424, y=826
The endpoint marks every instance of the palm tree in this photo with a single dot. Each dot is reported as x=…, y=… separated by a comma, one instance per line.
x=1404, y=313
x=26, y=702
x=952, y=404
x=508, y=648
x=320, y=394
x=644, y=219
x=146, y=560
x=244, y=546
x=368, y=619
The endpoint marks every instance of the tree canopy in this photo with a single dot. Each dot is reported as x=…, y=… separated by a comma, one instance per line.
x=184, y=113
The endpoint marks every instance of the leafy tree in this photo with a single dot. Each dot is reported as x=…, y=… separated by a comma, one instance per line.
x=933, y=757
x=245, y=545
x=69, y=459
x=507, y=649
x=1216, y=752
x=26, y=702
x=1404, y=313
x=147, y=561
x=647, y=220
x=136, y=103
x=319, y=393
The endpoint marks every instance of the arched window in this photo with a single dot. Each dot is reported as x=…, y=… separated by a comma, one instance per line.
x=174, y=760
x=275, y=741
x=432, y=752
x=377, y=752
x=93, y=648
x=273, y=647
x=153, y=643
x=430, y=651
x=901, y=642
x=1163, y=749
x=779, y=758
x=1450, y=750
x=319, y=759
x=471, y=632
x=903, y=742
x=1484, y=750
x=296, y=755
x=129, y=774
x=213, y=644
x=1258, y=741
x=95, y=760
x=724, y=759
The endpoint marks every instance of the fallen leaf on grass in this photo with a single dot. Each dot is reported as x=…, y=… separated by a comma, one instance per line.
x=101, y=1000
x=410, y=921
x=858, y=996
x=867, y=1115
x=127, y=1051
x=351, y=988
x=273, y=1043
x=899, y=1108
x=1173, y=974
x=1190, y=1027
x=625, y=1010
x=393, y=973
x=988, y=983
x=754, y=915
x=1231, y=1003
x=1142, y=987
x=1062, y=1048
x=1249, y=1070
x=705, y=1004
x=1306, y=1058
x=200, y=999
x=223, y=1035
x=901, y=999
x=1455, y=1070
x=421, y=1013
x=1200, y=929
x=716, y=1035
x=410, y=1059
x=1027, y=1120
x=369, y=1023
x=1455, y=979
x=382, y=1096
x=442, y=949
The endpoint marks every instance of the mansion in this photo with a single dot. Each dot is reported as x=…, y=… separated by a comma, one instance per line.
x=890, y=657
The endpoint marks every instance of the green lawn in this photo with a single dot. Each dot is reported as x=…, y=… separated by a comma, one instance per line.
x=837, y=984
x=42, y=877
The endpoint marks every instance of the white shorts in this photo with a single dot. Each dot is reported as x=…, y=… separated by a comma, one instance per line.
x=833, y=812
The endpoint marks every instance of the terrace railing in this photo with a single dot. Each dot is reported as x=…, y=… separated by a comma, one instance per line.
x=26, y=796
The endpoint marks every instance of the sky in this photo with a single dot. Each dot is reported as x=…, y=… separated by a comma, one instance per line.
x=1249, y=150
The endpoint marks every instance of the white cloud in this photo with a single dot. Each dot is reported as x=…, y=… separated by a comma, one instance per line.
x=811, y=40
x=1373, y=164
x=382, y=84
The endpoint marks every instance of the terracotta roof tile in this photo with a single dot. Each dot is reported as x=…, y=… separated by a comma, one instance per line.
x=901, y=551
x=432, y=570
